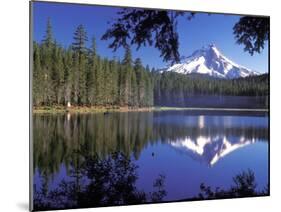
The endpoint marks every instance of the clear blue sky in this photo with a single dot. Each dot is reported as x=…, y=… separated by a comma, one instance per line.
x=200, y=31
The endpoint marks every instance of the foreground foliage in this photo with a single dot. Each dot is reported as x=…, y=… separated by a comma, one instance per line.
x=97, y=182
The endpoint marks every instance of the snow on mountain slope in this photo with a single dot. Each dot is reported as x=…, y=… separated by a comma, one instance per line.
x=210, y=61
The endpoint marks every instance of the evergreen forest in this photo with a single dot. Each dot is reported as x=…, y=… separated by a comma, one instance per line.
x=79, y=76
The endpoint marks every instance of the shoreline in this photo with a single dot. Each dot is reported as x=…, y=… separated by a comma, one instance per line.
x=85, y=109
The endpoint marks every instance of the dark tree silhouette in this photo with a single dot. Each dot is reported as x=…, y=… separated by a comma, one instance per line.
x=244, y=186
x=252, y=32
x=160, y=192
x=159, y=28
x=103, y=182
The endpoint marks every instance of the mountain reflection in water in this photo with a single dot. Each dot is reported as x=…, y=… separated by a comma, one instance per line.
x=150, y=139
x=210, y=149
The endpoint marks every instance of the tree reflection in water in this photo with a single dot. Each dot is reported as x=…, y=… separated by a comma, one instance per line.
x=56, y=137
x=98, y=154
x=244, y=186
x=99, y=182
x=111, y=181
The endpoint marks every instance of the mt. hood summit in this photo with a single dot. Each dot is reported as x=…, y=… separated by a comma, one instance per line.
x=210, y=61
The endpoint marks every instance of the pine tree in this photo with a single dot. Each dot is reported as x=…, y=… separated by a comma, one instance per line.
x=47, y=65
x=134, y=90
x=114, y=82
x=91, y=72
x=80, y=38
x=37, y=91
x=107, y=86
x=99, y=82
x=75, y=79
x=140, y=82
x=48, y=38
x=58, y=74
x=149, y=88
x=125, y=78
x=68, y=76
x=79, y=48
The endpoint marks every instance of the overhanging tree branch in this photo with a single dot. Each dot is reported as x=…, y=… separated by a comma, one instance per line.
x=252, y=32
x=147, y=27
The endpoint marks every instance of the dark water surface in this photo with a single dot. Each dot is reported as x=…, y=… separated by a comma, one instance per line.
x=185, y=148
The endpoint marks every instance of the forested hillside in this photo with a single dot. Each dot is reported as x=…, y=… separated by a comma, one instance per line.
x=80, y=76
x=171, y=87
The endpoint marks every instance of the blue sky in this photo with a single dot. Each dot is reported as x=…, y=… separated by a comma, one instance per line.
x=194, y=34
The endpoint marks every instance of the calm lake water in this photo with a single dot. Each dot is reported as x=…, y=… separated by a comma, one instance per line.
x=182, y=148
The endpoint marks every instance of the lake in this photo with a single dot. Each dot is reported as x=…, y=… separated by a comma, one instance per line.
x=144, y=156
x=214, y=101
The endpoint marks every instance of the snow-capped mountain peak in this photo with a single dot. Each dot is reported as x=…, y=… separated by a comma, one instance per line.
x=210, y=61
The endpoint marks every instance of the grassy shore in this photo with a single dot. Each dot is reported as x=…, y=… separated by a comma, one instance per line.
x=85, y=109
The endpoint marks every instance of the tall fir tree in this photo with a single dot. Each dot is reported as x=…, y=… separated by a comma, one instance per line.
x=140, y=81
x=58, y=74
x=80, y=58
x=91, y=72
x=107, y=86
x=114, y=82
x=99, y=82
x=68, y=75
x=47, y=64
x=37, y=92
x=149, y=91
x=48, y=38
x=134, y=90
x=125, y=78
